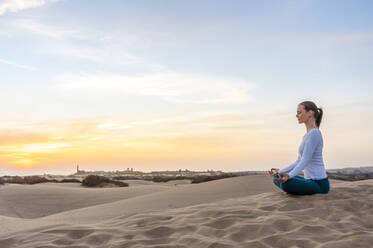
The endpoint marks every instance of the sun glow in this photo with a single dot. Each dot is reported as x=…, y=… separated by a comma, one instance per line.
x=25, y=162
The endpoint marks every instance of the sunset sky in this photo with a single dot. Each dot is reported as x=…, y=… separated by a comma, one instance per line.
x=168, y=85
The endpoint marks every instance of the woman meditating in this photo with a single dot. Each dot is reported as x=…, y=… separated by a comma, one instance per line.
x=310, y=158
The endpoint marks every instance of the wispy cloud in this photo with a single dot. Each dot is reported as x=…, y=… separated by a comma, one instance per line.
x=18, y=5
x=168, y=85
x=11, y=63
x=97, y=47
x=43, y=147
x=102, y=54
x=177, y=125
x=39, y=28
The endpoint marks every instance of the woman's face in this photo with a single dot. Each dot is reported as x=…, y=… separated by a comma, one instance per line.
x=302, y=115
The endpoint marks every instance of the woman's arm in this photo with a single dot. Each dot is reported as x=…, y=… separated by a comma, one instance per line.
x=311, y=143
x=290, y=167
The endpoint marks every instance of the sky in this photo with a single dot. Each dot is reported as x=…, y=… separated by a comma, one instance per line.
x=168, y=85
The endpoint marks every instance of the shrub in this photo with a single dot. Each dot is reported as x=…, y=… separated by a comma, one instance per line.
x=126, y=178
x=181, y=178
x=164, y=179
x=100, y=181
x=94, y=180
x=159, y=179
x=25, y=180
x=147, y=178
x=205, y=178
x=15, y=179
x=70, y=180
x=34, y=179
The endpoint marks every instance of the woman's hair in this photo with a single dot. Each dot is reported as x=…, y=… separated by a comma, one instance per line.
x=318, y=112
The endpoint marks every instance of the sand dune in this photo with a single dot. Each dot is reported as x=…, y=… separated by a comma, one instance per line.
x=234, y=212
x=33, y=201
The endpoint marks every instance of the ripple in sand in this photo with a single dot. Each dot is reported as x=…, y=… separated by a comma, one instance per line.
x=161, y=231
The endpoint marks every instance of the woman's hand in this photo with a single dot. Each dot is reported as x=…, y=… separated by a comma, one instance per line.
x=273, y=171
x=283, y=177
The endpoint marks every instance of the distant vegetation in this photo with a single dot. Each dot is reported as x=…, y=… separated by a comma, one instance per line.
x=70, y=180
x=34, y=180
x=165, y=179
x=100, y=181
x=117, y=181
x=24, y=180
x=201, y=179
x=350, y=176
x=126, y=178
x=193, y=179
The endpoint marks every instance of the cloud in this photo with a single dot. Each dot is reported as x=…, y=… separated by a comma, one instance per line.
x=184, y=124
x=19, y=136
x=105, y=49
x=38, y=28
x=25, y=67
x=103, y=54
x=167, y=85
x=43, y=147
x=18, y=5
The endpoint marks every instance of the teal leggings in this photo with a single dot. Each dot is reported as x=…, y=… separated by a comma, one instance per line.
x=301, y=186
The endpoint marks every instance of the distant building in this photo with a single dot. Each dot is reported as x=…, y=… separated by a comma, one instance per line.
x=79, y=172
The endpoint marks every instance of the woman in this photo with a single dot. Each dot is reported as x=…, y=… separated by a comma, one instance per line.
x=310, y=158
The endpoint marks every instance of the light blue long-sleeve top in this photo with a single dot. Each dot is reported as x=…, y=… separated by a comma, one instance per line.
x=309, y=158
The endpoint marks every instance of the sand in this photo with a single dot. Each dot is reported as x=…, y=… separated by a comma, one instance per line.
x=246, y=211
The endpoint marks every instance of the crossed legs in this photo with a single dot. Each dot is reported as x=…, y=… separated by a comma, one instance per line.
x=298, y=186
